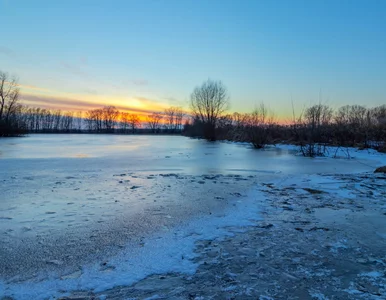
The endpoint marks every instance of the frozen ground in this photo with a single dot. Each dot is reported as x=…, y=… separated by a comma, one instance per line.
x=93, y=212
x=320, y=237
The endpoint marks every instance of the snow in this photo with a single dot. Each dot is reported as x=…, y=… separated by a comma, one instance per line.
x=75, y=182
x=373, y=274
x=367, y=155
x=318, y=296
x=170, y=252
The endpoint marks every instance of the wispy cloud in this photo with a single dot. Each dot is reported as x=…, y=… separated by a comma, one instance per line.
x=91, y=92
x=84, y=60
x=74, y=69
x=55, y=102
x=139, y=82
x=156, y=105
x=174, y=102
x=28, y=87
x=32, y=87
x=140, y=105
x=124, y=83
x=6, y=51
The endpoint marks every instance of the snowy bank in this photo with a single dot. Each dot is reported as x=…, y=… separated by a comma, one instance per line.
x=171, y=251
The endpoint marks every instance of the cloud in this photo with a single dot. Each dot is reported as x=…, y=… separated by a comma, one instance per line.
x=158, y=106
x=84, y=60
x=75, y=70
x=55, y=102
x=32, y=87
x=6, y=51
x=130, y=81
x=65, y=103
x=139, y=82
x=174, y=102
x=28, y=87
x=91, y=91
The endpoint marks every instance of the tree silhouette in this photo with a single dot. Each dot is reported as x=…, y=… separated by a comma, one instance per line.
x=208, y=102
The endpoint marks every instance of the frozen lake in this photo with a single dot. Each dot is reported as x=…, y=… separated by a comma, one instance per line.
x=69, y=152
x=69, y=199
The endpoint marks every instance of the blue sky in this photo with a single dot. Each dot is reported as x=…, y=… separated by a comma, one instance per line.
x=147, y=55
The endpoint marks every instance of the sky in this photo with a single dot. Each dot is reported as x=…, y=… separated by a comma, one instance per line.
x=145, y=56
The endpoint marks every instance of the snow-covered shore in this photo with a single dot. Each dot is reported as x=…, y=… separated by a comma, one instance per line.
x=320, y=237
x=255, y=231
x=134, y=247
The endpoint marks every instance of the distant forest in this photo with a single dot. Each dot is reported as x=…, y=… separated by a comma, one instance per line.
x=107, y=119
x=313, y=129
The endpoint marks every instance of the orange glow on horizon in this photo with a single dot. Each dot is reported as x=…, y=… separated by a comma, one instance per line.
x=44, y=98
x=83, y=102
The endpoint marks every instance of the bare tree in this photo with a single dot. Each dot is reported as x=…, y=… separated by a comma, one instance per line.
x=239, y=122
x=134, y=122
x=224, y=127
x=178, y=119
x=173, y=118
x=169, y=114
x=354, y=124
x=315, y=131
x=110, y=115
x=9, y=107
x=153, y=121
x=94, y=120
x=79, y=120
x=124, y=121
x=131, y=121
x=67, y=121
x=258, y=126
x=379, y=127
x=56, y=120
x=208, y=102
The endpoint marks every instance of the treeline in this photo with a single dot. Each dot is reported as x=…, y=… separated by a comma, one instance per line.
x=107, y=119
x=316, y=128
x=313, y=130
x=41, y=120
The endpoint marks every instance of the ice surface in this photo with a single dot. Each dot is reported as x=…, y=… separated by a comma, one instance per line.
x=171, y=251
x=108, y=210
